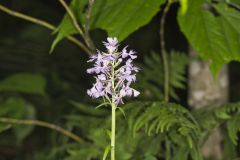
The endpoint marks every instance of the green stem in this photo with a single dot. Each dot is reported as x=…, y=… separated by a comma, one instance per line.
x=87, y=25
x=163, y=52
x=168, y=149
x=113, y=132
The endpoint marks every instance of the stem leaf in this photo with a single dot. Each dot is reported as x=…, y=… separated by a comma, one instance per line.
x=106, y=151
x=103, y=104
x=122, y=112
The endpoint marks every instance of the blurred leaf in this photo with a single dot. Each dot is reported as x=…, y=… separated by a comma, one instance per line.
x=230, y=150
x=22, y=131
x=17, y=108
x=149, y=157
x=214, y=37
x=25, y=83
x=235, y=2
x=4, y=127
x=89, y=109
x=233, y=128
x=12, y=107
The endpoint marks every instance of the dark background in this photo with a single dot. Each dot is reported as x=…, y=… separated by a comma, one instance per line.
x=24, y=47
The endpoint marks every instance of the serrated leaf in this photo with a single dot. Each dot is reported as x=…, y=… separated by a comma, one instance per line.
x=122, y=17
x=24, y=83
x=214, y=37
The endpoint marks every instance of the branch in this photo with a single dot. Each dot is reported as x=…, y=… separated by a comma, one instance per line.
x=44, y=24
x=73, y=18
x=87, y=39
x=163, y=52
x=42, y=124
x=87, y=24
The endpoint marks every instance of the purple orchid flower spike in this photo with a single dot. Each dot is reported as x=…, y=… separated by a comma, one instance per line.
x=114, y=72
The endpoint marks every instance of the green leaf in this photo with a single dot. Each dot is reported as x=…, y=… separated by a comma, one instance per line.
x=122, y=111
x=66, y=27
x=106, y=151
x=12, y=107
x=20, y=109
x=86, y=108
x=22, y=131
x=237, y=2
x=109, y=133
x=222, y=115
x=103, y=104
x=122, y=17
x=230, y=150
x=149, y=157
x=4, y=127
x=214, y=37
x=25, y=83
x=118, y=17
x=233, y=127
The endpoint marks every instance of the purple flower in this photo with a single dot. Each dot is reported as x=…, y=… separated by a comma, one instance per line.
x=114, y=72
x=130, y=54
x=111, y=45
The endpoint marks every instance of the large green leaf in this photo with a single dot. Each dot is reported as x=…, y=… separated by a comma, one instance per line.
x=122, y=17
x=25, y=83
x=118, y=17
x=214, y=37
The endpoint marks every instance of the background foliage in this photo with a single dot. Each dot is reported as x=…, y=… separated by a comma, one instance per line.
x=52, y=88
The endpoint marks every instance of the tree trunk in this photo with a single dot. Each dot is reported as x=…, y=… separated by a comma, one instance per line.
x=206, y=91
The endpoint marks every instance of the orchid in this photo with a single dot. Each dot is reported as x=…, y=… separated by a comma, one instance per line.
x=114, y=73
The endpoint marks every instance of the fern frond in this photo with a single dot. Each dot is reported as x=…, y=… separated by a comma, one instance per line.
x=230, y=114
x=161, y=117
x=151, y=76
x=211, y=118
